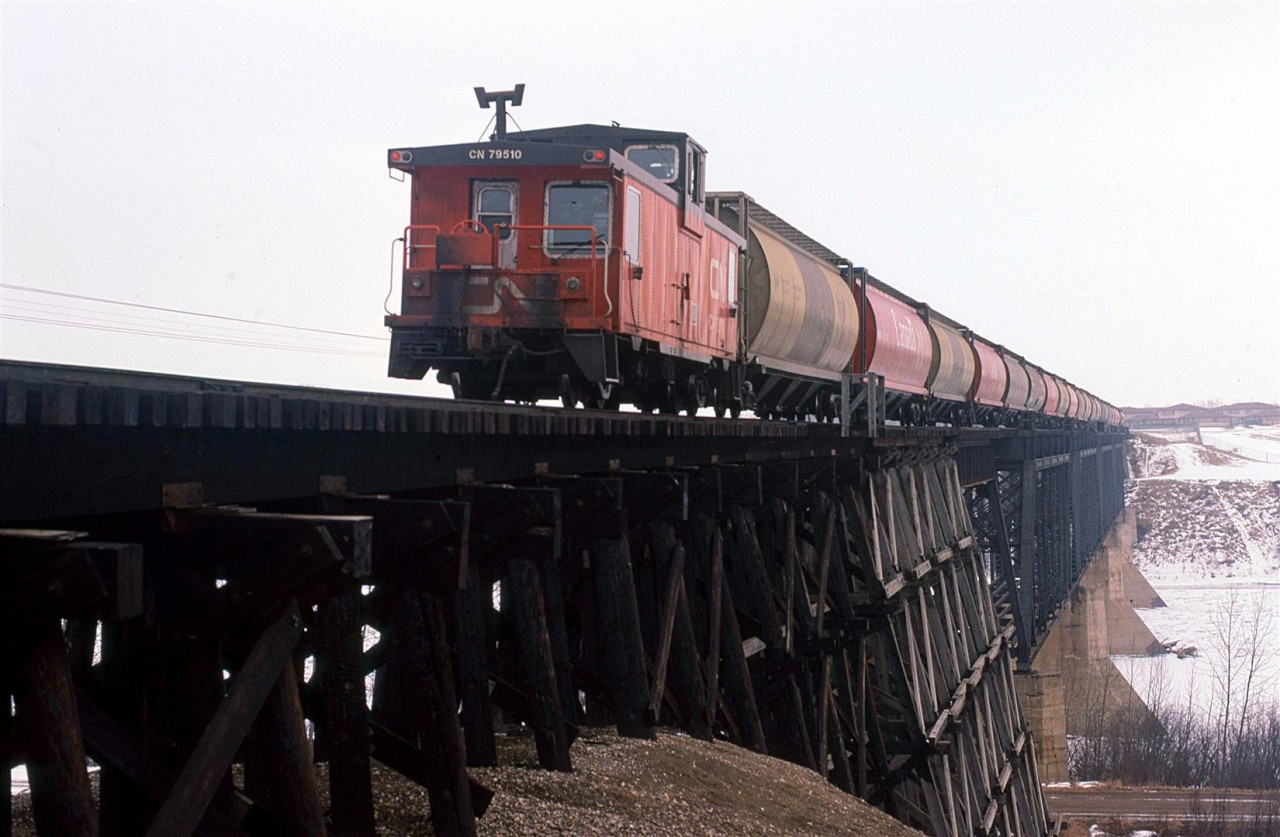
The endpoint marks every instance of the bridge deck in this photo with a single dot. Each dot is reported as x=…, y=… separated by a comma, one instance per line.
x=851, y=604
x=81, y=441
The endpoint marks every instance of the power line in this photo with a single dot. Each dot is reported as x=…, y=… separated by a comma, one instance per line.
x=87, y=314
x=187, y=313
x=190, y=337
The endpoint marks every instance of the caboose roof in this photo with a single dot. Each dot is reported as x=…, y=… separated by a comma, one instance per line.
x=615, y=136
x=544, y=146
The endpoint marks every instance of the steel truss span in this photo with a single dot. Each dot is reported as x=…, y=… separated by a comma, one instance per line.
x=845, y=603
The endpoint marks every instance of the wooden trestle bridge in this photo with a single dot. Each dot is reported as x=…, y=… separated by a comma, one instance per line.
x=175, y=550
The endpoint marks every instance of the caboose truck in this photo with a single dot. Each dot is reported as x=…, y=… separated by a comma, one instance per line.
x=577, y=262
x=590, y=263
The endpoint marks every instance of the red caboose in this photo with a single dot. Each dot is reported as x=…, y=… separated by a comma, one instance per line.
x=577, y=262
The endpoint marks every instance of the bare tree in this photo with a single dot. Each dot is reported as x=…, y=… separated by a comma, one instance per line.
x=1241, y=642
x=1258, y=650
x=1233, y=742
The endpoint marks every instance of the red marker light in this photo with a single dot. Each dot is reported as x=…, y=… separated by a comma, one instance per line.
x=401, y=156
x=599, y=155
x=593, y=156
x=395, y=156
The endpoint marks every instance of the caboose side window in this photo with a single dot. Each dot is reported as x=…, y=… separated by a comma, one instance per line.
x=696, y=161
x=576, y=205
x=733, y=277
x=657, y=160
x=631, y=242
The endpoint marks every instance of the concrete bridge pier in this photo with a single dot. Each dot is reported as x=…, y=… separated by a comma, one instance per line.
x=1074, y=687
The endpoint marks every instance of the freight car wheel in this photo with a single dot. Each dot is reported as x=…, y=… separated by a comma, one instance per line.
x=671, y=404
x=724, y=406
x=695, y=394
x=721, y=403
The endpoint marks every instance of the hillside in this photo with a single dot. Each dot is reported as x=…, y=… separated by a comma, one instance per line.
x=673, y=786
x=1203, y=513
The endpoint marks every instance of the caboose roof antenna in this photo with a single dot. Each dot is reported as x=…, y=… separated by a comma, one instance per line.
x=502, y=97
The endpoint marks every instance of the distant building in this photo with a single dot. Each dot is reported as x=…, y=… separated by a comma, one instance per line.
x=1189, y=416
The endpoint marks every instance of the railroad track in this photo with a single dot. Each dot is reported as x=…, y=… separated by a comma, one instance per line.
x=81, y=441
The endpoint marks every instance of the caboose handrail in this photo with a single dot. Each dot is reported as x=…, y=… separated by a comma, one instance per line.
x=408, y=246
x=602, y=276
x=595, y=238
x=471, y=224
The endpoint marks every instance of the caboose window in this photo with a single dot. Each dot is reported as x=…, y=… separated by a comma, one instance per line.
x=494, y=204
x=657, y=160
x=631, y=226
x=733, y=277
x=576, y=205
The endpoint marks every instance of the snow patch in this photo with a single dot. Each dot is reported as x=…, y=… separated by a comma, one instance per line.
x=1195, y=531
x=1096, y=831
x=1060, y=785
x=1261, y=444
x=1209, y=542
x=1203, y=514
x=1184, y=457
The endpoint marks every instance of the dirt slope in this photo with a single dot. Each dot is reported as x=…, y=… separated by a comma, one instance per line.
x=673, y=786
x=1200, y=514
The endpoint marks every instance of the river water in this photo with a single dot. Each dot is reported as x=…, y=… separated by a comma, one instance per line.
x=1198, y=615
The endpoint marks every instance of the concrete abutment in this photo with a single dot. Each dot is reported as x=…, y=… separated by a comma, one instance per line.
x=1074, y=688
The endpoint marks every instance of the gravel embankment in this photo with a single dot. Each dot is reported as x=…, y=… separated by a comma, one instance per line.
x=675, y=786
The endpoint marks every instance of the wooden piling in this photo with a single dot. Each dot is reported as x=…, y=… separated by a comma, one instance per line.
x=46, y=711
x=523, y=599
x=621, y=643
x=345, y=718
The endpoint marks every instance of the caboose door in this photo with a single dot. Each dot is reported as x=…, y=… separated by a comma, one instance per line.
x=687, y=286
x=494, y=202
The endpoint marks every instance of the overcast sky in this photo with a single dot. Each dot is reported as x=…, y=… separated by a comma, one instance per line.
x=1096, y=186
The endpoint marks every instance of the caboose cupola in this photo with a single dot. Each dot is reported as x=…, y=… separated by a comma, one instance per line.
x=672, y=158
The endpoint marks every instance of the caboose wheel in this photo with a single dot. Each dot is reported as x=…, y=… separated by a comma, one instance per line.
x=570, y=394
x=607, y=397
